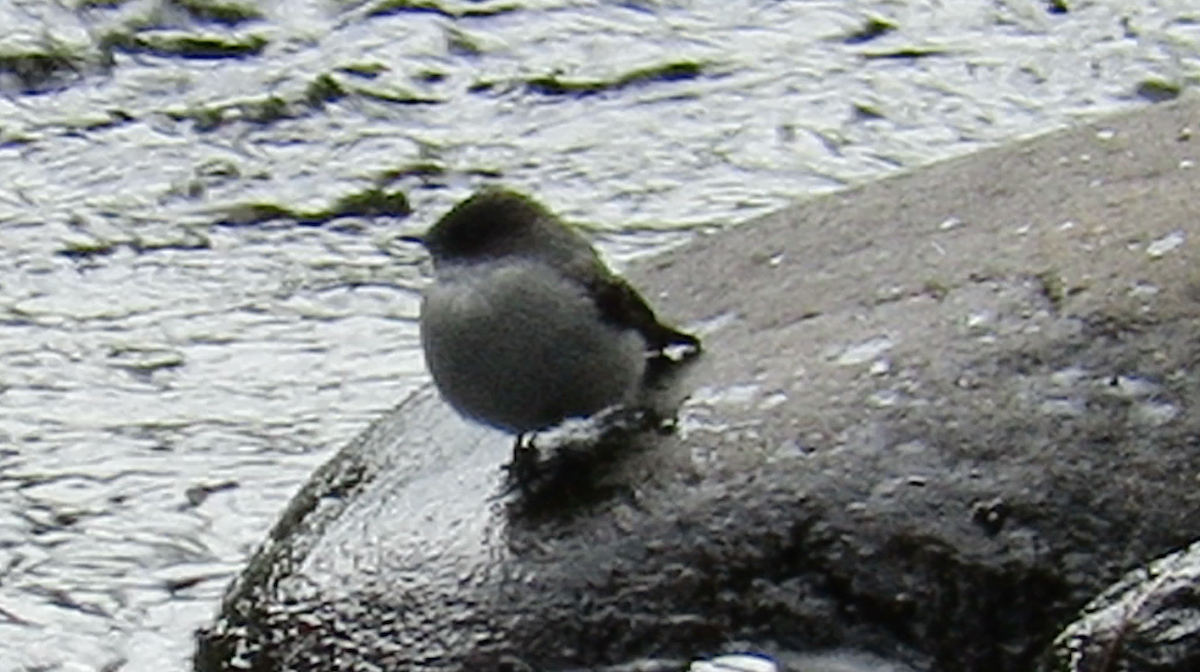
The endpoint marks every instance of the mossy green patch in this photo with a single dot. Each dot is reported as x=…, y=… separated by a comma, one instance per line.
x=484, y=172
x=1158, y=90
x=386, y=7
x=33, y=68
x=87, y=248
x=419, y=169
x=179, y=240
x=205, y=118
x=667, y=72
x=36, y=67
x=369, y=202
x=268, y=109
x=367, y=70
x=431, y=76
x=144, y=359
x=873, y=28
x=216, y=168
x=401, y=96
x=10, y=137
x=96, y=120
x=325, y=88
x=936, y=288
x=459, y=42
x=264, y=110
x=99, y=4
x=481, y=86
x=215, y=11
x=867, y=111
x=902, y=53
x=1052, y=287
x=245, y=214
x=186, y=45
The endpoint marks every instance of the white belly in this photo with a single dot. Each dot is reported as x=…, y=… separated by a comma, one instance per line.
x=515, y=346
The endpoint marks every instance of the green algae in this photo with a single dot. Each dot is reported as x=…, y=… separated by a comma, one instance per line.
x=261, y=110
x=417, y=169
x=461, y=43
x=667, y=72
x=325, y=88
x=46, y=62
x=905, y=53
x=1158, y=90
x=100, y=4
x=387, y=7
x=214, y=11
x=322, y=89
x=185, y=44
x=87, y=248
x=873, y=28
x=365, y=70
x=393, y=95
x=1052, y=287
x=370, y=202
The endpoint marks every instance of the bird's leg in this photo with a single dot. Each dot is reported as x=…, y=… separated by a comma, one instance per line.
x=524, y=465
x=523, y=448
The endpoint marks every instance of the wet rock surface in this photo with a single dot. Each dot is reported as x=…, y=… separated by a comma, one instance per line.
x=1149, y=620
x=936, y=416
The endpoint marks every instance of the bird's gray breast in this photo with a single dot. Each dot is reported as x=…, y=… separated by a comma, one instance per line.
x=516, y=345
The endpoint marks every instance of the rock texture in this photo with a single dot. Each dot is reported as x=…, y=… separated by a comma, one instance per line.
x=1147, y=621
x=936, y=416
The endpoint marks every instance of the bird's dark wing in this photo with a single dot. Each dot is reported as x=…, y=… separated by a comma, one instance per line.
x=622, y=305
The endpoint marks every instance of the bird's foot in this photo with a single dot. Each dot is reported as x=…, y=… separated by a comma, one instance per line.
x=525, y=458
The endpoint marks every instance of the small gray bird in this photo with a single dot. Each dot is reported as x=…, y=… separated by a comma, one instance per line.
x=524, y=325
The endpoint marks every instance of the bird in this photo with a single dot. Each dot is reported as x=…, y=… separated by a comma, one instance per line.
x=524, y=325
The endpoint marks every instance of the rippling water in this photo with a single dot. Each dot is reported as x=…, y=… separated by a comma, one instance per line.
x=174, y=362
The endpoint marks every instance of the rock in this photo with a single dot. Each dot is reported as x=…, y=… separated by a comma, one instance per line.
x=933, y=444
x=1147, y=621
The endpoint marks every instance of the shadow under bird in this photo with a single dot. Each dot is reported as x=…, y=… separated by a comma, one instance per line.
x=524, y=325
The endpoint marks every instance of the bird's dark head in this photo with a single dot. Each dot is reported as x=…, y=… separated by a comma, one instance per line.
x=491, y=223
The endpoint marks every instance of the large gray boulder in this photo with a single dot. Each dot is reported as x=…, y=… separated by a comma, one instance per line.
x=936, y=416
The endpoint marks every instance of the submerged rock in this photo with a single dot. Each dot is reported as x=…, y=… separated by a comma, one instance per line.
x=931, y=444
